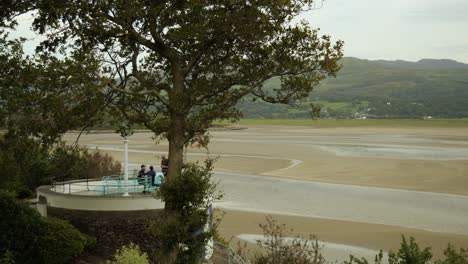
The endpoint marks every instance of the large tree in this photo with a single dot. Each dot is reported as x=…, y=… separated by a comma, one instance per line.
x=180, y=65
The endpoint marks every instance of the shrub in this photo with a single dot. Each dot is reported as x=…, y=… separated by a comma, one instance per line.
x=130, y=254
x=278, y=249
x=23, y=163
x=67, y=162
x=26, y=164
x=410, y=253
x=7, y=258
x=20, y=229
x=101, y=164
x=187, y=198
x=26, y=237
x=452, y=256
x=72, y=162
x=60, y=241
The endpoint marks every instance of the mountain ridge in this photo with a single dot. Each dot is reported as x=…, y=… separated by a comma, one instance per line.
x=381, y=89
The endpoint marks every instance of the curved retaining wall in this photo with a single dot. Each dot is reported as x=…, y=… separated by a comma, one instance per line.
x=113, y=220
x=114, y=202
x=112, y=229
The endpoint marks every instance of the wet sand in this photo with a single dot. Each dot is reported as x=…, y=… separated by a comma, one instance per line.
x=371, y=236
x=420, y=159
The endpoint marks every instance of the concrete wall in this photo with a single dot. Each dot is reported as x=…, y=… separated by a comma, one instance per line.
x=112, y=229
x=114, y=202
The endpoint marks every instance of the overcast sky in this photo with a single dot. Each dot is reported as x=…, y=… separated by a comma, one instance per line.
x=387, y=29
x=396, y=29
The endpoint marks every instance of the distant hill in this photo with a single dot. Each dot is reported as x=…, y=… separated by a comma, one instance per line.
x=424, y=64
x=382, y=89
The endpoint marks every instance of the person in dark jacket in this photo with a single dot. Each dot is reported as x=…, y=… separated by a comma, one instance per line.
x=142, y=171
x=151, y=173
x=141, y=177
x=164, y=165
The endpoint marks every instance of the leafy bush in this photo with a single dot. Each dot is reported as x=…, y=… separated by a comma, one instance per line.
x=26, y=237
x=410, y=253
x=26, y=164
x=20, y=229
x=67, y=162
x=61, y=241
x=454, y=257
x=278, y=249
x=101, y=164
x=23, y=163
x=130, y=254
x=187, y=198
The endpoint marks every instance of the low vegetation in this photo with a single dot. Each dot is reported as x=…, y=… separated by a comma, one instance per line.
x=277, y=247
x=26, y=164
x=26, y=237
x=130, y=254
x=182, y=229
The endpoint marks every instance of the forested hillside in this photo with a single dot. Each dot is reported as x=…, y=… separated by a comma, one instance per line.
x=381, y=89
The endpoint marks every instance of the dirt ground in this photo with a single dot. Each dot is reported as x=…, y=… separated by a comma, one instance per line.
x=422, y=159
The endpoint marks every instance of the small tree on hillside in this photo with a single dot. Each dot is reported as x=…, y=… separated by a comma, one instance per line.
x=180, y=65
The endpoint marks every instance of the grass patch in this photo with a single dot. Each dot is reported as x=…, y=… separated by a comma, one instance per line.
x=356, y=122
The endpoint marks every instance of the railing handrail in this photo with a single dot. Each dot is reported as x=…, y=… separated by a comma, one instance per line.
x=233, y=257
x=105, y=188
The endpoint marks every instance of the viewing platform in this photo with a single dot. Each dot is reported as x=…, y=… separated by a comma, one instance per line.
x=111, y=193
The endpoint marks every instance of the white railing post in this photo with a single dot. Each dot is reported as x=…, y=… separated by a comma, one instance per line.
x=126, y=167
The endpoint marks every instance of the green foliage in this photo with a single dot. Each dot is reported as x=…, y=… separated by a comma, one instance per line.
x=414, y=89
x=355, y=260
x=25, y=164
x=410, y=253
x=191, y=190
x=281, y=250
x=60, y=241
x=452, y=256
x=101, y=164
x=43, y=96
x=26, y=237
x=188, y=198
x=67, y=162
x=7, y=258
x=130, y=254
x=20, y=229
x=176, y=66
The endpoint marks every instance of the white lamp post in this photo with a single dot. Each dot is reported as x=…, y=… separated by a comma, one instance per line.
x=126, y=167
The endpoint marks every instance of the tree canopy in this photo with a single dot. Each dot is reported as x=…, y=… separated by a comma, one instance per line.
x=179, y=65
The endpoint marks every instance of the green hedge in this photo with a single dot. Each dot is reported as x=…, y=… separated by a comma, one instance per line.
x=26, y=237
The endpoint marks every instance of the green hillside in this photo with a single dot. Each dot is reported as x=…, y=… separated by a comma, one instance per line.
x=381, y=89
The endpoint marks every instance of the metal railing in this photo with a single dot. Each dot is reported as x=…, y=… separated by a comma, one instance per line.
x=107, y=185
x=224, y=254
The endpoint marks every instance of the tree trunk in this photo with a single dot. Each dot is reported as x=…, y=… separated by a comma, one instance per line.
x=177, y=129
x=176, y=146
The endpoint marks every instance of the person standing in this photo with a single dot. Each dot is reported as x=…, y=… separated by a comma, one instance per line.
x=164, y=165
x=151, y=173
x=141, y=177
